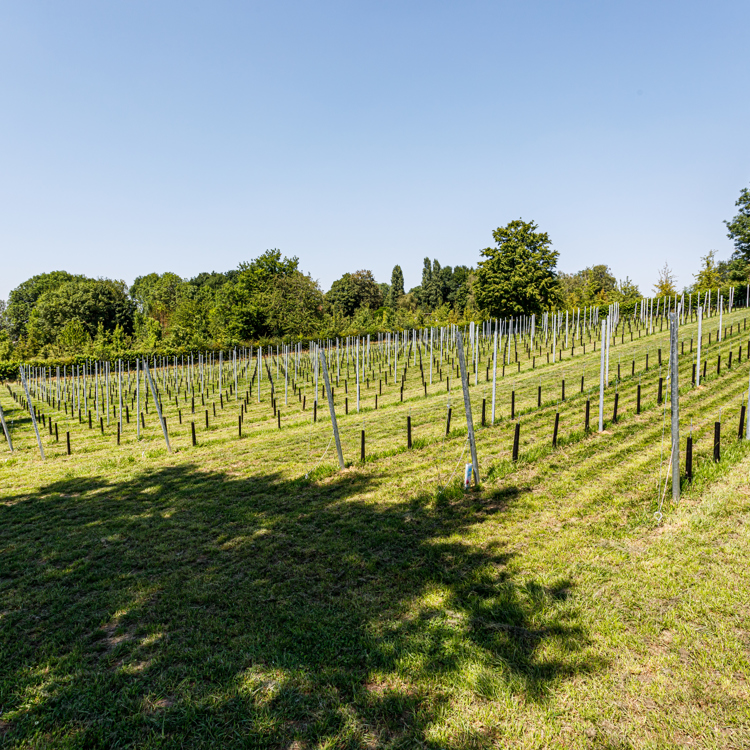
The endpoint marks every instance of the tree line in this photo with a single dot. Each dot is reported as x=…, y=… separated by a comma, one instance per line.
x=58, y=314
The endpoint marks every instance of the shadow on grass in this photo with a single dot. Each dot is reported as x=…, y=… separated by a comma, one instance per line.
x=184, y=608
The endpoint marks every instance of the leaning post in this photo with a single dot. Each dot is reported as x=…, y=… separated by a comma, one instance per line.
x=156, y=403
x=467, y=406
x=6, y=430
x=31, y=410
x=331, y=408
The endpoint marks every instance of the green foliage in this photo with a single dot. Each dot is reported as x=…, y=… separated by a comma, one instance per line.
x=397, y=287
x=89, y=301
x=518, y=276
x=739, y=227
x=354, y=290
x=268, y=297
x=709, y=276
x=596, y=285
x=443, y=285
x=665, y=284
x=213, y=280
x=24, y=297
x=73, y=337
x=156, y=295
x=736, y=270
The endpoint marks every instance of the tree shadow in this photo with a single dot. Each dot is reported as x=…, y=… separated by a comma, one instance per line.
x=184, y=607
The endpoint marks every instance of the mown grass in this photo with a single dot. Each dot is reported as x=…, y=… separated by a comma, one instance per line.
x=234, y=594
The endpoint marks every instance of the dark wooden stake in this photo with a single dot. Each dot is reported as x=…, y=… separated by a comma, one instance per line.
x=717, y=441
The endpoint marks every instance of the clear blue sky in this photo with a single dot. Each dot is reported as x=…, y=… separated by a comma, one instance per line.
x=183, y=136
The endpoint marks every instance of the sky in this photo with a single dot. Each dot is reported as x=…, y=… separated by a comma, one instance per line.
x=183, y=136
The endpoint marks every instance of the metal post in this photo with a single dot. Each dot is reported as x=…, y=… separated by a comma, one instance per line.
x=700, y=334
x=138, y=397
x=156, y=403
x=494, y=377
x=6, y=430
x=601, y=377
x=467, y=406
x=331, y=408
x=675, y=393
x=31, y=410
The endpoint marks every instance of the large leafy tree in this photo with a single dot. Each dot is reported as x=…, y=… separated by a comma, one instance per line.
x=251, y=305
x=665, y=284
x=24, y=297
x=157, y=294
x=517, y=276
x=739, y=227
x=90, y=302
x=355, y=290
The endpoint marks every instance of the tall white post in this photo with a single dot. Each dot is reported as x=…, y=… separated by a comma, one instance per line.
x=601, y=379
x=700, y=334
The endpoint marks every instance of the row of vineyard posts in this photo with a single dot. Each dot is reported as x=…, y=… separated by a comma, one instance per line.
x=106, y=395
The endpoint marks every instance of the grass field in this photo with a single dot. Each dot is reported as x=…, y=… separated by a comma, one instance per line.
x=247, y=593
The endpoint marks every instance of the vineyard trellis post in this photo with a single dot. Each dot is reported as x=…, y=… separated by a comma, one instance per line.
x=31, y=410
x=675, y=394
x=601, y=377
x=467, y=406
x=494, y=377
x=331, y=408
x=156, y=403
x=6, y=430
x=700, y=336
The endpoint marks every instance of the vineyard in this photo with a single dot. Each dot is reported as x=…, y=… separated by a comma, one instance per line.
x=190, y=565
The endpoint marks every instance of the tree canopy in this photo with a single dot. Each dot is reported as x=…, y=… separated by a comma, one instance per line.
x=89, y=302
x=24, y=297
x=739, y=226
x=665, y=284
x=518, y=276
x=396, y=291
x=355, y=290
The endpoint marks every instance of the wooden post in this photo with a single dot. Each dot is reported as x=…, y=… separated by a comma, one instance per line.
x=408, y=432
x=332, y=409
x=67, y=441
x=516, y=439
x=689, y=459
x=554, y=434
x=586, y=423
x=467, y=406
x=717, y=441
x=192, y=432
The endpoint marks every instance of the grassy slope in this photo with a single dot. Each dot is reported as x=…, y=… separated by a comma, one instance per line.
x=216, y=597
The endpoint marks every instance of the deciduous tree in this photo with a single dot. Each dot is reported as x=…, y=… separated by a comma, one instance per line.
x=517, y=276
